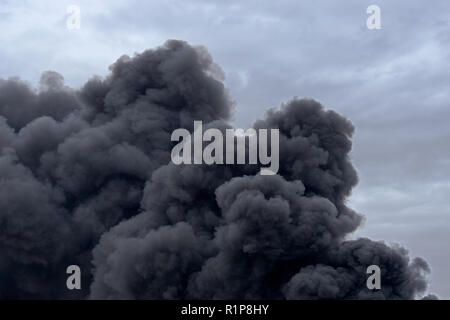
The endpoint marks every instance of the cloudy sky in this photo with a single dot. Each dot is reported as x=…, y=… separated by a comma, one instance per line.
x=392, y=83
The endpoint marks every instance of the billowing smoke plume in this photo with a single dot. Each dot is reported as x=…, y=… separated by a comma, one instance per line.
x=86, y=179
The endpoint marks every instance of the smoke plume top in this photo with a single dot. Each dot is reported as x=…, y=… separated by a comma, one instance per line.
x=86, y=179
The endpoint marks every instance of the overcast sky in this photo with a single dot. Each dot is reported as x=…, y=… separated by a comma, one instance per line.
x=393, y=83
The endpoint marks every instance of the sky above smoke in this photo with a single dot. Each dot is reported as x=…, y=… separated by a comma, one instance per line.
x=391, y=83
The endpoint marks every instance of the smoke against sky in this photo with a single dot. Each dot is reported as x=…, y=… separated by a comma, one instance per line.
x=87, y=180
x=392, y=83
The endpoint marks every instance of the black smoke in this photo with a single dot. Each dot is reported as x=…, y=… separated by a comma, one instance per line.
x=86, y=179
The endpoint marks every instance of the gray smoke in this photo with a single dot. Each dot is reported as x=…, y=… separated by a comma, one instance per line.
x=86, y=179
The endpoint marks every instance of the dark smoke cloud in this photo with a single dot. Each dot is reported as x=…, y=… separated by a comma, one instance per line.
x=86, y=179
